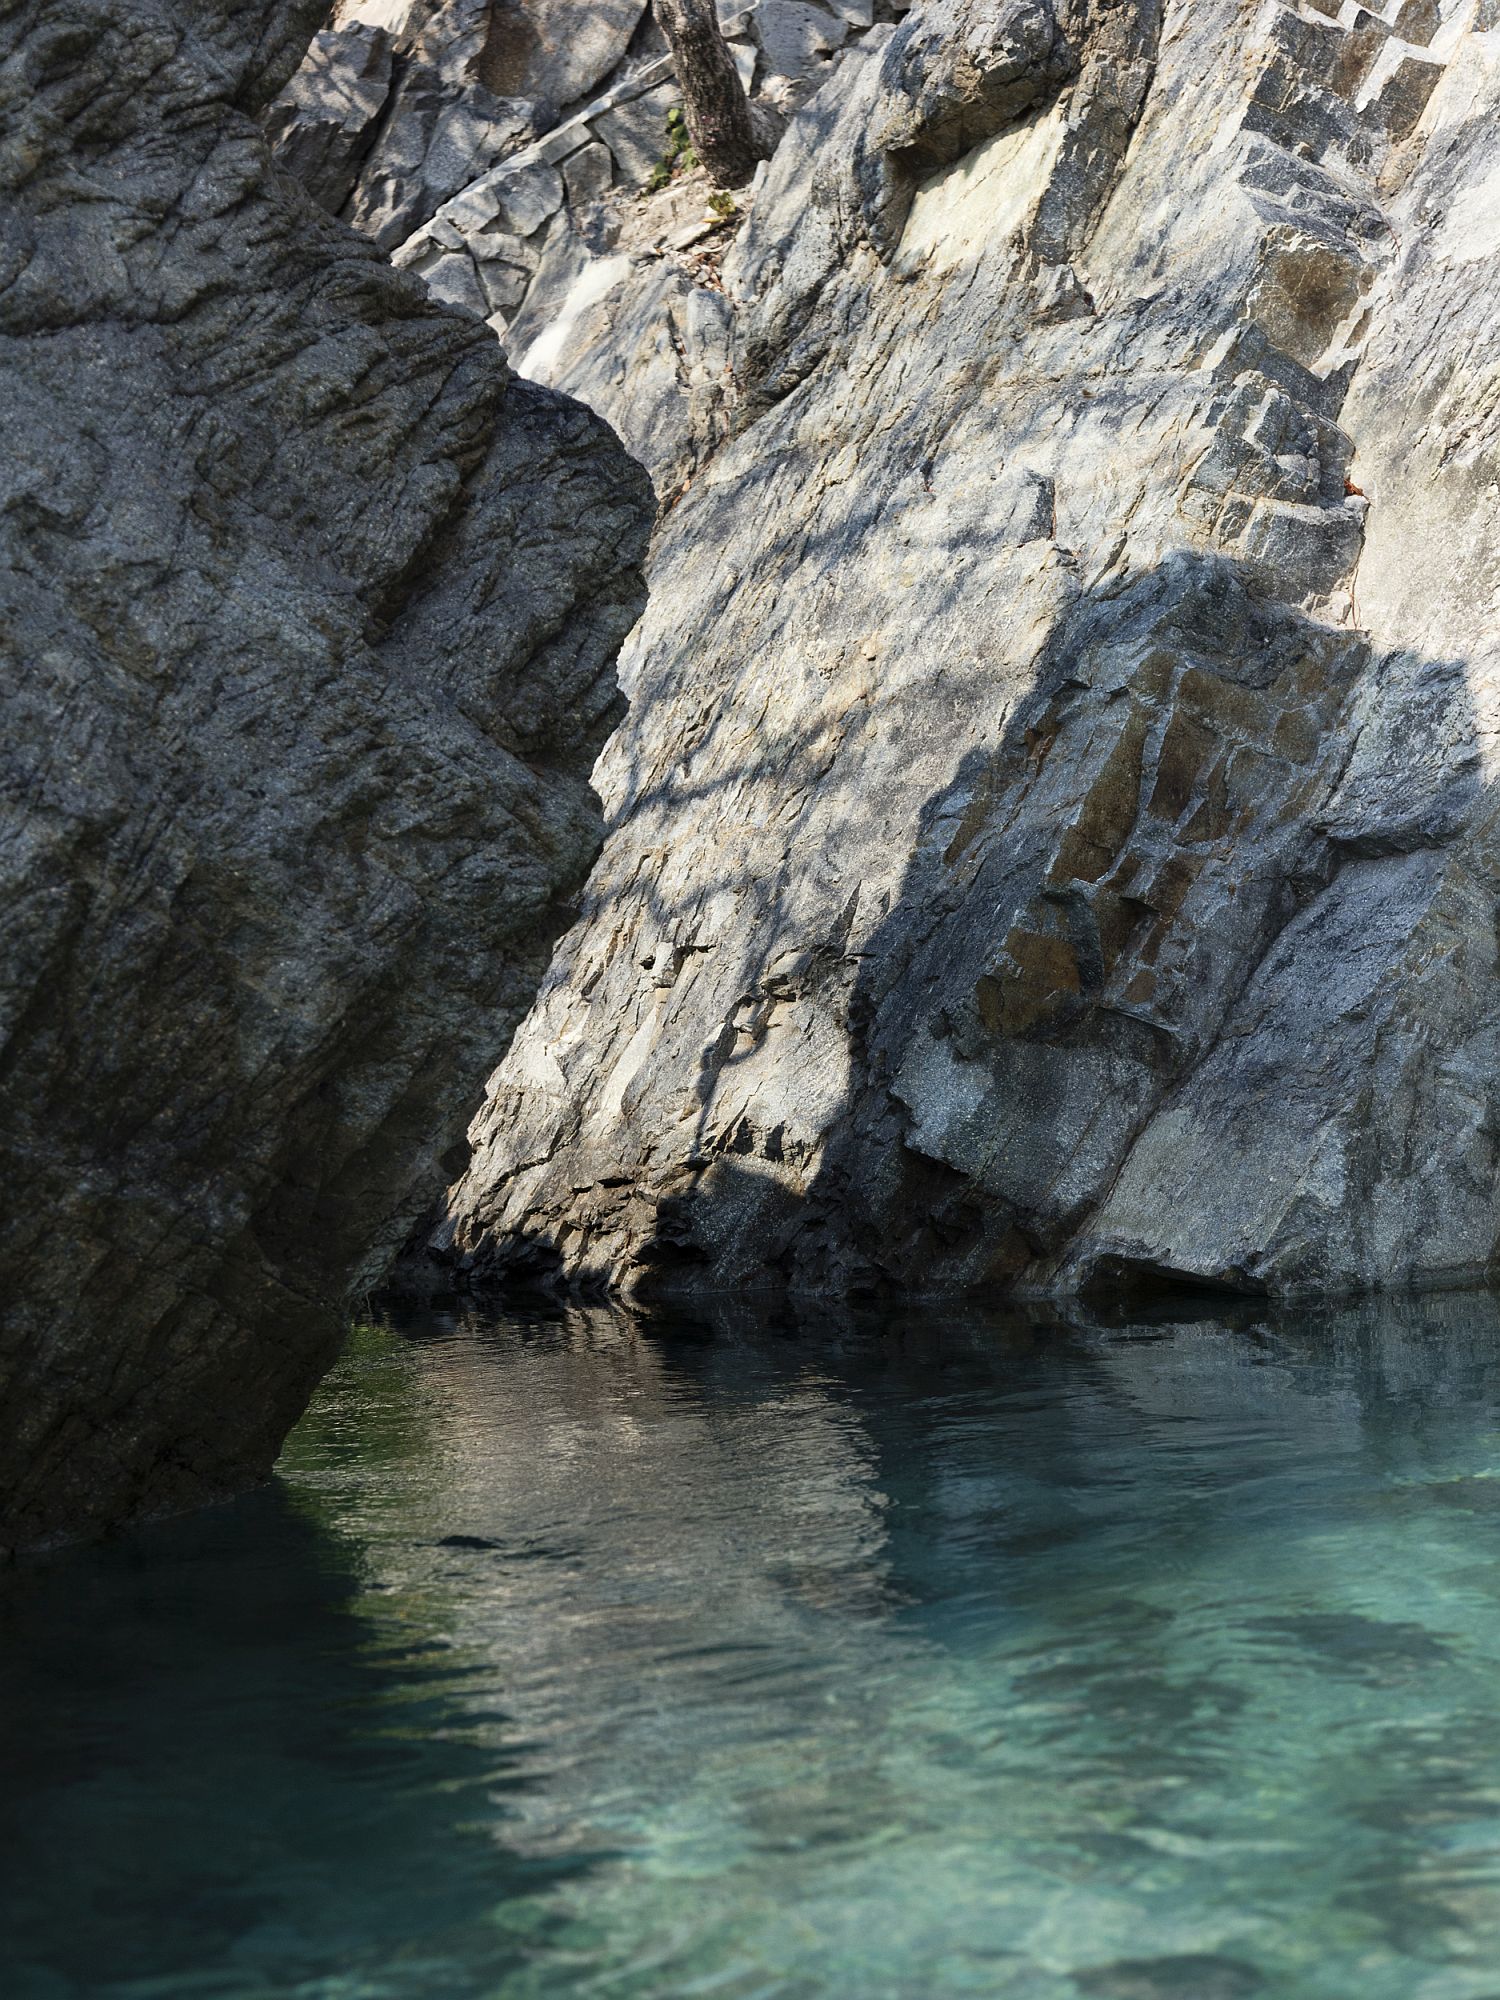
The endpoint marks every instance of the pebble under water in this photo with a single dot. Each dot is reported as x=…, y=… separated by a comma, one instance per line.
x=794, y=1657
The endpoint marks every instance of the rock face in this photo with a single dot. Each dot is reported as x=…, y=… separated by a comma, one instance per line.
x=307, y=619
x=1053, y=840
x=497, y=150
x=427, y=88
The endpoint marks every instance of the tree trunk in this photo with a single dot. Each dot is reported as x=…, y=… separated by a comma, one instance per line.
x=713, y=98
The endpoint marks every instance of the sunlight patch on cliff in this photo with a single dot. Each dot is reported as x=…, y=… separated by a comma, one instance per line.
x=963, y=211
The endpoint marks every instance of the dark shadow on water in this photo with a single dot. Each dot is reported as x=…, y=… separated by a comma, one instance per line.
x=213, y=1771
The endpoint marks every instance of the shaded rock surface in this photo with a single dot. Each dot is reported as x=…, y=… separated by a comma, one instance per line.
x=1053, y=838
x=307, y=618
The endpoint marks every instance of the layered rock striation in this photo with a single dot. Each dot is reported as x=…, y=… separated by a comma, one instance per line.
x=1052, y=843
x=308, y=611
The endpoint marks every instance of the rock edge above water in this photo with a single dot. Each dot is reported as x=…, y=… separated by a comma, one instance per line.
x=306, y=646
x=1053, y=840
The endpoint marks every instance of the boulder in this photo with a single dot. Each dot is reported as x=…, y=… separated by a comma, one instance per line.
x=443, y=127
x=308, y=612
x=390, y=114
x=325, y=121
x=557, y=50
x=638, y=341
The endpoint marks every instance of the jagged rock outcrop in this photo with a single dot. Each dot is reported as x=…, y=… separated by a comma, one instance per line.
x=400, y=104
x=307, y=618
x=498, y=151
x=1053, y=839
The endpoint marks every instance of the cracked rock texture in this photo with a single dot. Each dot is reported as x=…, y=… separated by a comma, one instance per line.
x=498, y=149
x=1053, y=841
x=307, y=619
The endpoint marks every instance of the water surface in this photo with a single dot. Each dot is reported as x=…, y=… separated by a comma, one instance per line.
x=814, y=1658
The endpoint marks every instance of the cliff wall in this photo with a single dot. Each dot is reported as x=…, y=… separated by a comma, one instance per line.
x=500, y=152
x=1053, y=837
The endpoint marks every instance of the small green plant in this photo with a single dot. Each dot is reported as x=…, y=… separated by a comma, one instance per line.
x=679, y=156
x=723, y=204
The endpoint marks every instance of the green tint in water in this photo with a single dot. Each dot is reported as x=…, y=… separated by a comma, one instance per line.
x=825, y=1662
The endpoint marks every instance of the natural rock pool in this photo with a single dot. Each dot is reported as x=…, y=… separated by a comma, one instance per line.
x=816, y=1658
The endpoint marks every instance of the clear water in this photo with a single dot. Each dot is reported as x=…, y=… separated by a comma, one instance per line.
x=825, y=1661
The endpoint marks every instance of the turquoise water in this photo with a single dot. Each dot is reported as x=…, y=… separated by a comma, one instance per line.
x=825, y=1659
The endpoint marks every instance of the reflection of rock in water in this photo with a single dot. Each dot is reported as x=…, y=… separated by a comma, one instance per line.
x=605, y=1495
x=901, y=1640
x=826, y=1653
x=587, y=1510
x=213, y=1775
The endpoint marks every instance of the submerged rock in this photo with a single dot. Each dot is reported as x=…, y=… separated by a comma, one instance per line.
x=1053, y=838
x=307, y=619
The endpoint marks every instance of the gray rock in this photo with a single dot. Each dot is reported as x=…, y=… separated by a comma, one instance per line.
x=645, y=347
x=746, y=56
x=384, y=123
x=1053, y=841
x=513, y=201
x=305, y=649
x=795, y=39
x=442, y=144
x=956, y=73
x=567, y=272
x=1403, y=98
x=1418, y=20
x=636, y=133
x=324, y=122
x=451, y=278
x=505, y=286
x=555, y=145
x=526, y=197
x=557, y=50
x=588, y=173
x=432, y=145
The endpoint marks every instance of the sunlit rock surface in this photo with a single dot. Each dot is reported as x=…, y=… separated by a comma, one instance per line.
x=499, y=152
x=307, y=619
x=1053, y=838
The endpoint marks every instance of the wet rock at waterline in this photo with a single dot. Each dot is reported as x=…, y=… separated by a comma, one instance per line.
x=309, y=616
x=1053, y=837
